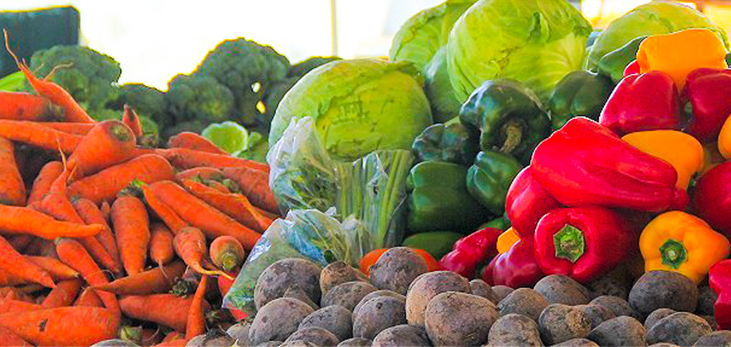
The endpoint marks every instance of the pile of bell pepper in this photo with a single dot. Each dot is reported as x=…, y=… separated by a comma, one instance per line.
x=636, y=166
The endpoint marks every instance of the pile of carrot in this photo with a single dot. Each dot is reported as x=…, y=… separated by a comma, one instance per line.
x=101, y=237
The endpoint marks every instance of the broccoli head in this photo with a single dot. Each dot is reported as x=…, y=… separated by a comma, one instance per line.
x=199, y=98
x=89, y=76
x=146, y=101
x=248, y=70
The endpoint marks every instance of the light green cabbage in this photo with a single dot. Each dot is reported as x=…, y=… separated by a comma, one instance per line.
x=653, y=18
x=536, y=42
x=444, y=103
x=229, y=136
x=358, y=106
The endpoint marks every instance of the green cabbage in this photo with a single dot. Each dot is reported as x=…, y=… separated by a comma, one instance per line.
x=229, y=136
x=444, y=103
x=536, y=42
x=358, y=106
x=657, y=17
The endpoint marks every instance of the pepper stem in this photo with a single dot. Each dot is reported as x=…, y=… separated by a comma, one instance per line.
x=569, y=243
x=513, y=132
x=673, y=253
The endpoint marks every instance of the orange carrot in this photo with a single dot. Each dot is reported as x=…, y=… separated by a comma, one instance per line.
x=63, y=295
x=58, y=270
x=9, y=339
x=40, y=136
x=190, y=245
x=201, y=215
x=63, y=326
x=161, y=244
x=109, y=143
x=195, y=142
x=166, y=309
x=163, y=211
x=196, y=323
x=130, y=118
x=89, y=298
x=43, y=181
x=107, y=183
x=189, y=158
x=227, y=253
x=14, y=263
x=17, y=306
x=219, y=187
x=154, y=281
x=236, y=206
x=12, y=188
x=74, y=255
x=72, y=128
x=20, y=242
x=91, y=214
x=106, y=210
x=8, y=279
x=255, y=185
x=132, y=229
x=23, y=220
x=26, y=107
x=206, y=173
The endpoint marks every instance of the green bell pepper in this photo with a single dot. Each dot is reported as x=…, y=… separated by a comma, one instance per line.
x=439, y=200
x=510, y=118
x=502, y=223
x=489, y=179
x=451, y=142
x=436, y=243
x=580, y=93
x=613, y=63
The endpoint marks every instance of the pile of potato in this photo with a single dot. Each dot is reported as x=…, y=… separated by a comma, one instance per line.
x=300, y=304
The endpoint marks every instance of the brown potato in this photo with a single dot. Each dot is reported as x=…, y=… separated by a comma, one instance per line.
x=286, y=273
x=336, y=273
x=378, y=314
x=277, y=320
x=459, y=319
x=396, y=269
x=427, y=287
x=347, y=295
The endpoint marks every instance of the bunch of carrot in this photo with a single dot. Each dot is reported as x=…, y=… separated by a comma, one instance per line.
x=99, y=233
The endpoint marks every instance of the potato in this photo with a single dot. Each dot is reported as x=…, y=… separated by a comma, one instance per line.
x=560, y=323
x=380, y=292
x=721, y=338
x=336, y=319
x=213, y=338
x=615, y=283
x=711, y=321
x=428, y=286
x=560, y=289
x=577, y=343
x=663, y=289
x=277, y=320
x=240, y=332
x=514, y=330
x=523, y=301
x=620, y=331
x=270, y=344
x=618, y=306
x=680, y=328
x=706, y=299
x=401, y=336
x=396, y=269
x=355, y=342
x=663, y=344
x=295, y=292
x=336, y=273
x=317, y=336
x=458, y=319
x=481, y=288
x=282, y=275
x=378, y=314
x=114, y=343
x=596, y=314
x=656, y=316
x=347, y=294
x=298, y=343
x=502, y=292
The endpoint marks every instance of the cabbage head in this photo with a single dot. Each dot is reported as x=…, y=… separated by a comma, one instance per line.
x=536, y=42
x=653, y=18
x=358, y=105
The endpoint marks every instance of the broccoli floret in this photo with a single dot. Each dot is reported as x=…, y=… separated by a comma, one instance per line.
x=199, y=98
x=302, y=68
x=89, y=76
x=248, y=70
x=145, y=100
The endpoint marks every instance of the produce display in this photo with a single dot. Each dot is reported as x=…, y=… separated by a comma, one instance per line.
x=508, y=176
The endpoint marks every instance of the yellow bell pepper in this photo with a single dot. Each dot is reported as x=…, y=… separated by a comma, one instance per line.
x=683, y=243
x=506, y=240
x=679, y=149
x=679, y=53
x=724, y=139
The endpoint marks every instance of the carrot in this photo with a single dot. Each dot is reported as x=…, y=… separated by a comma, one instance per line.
x=163, y=211
x=64, y=294
x=227, y=253
x=17, y=306
x=219, y=187
x=194, y=141
x=91, y=214
x=206, y=173
x=130, y=118
x=189, y=158
x=109, y=143
x=40, y=136
x=166, y=309
x=196, y=324
x=26, y=107
x=236, y=206
x=132, y=228
x=20, y=242
x=201, y=215
x=43, y=181
x=173, y=336
x=190, y=245
x=63, y=326
x=16, y=293
x=8, y=279
x=23, y=220
x=105, y=185
x=106, y=210
x=12, y=188
x=255, y=185
x=74, y=255
x=58, y=270
x=72, y=128
x=154, y=281
x=89, y=298
x=161, y=244
x=9, y=339
x=15, y=264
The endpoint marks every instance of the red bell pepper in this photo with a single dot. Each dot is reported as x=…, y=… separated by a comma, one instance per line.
x=471, y=250
x=582, y=243
x=708, y=92
x=527, y=201
x=632, y=68
x=517, y=267
x=585, y=164
x=712, y=198
x=647, y=101
x=720, y=280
